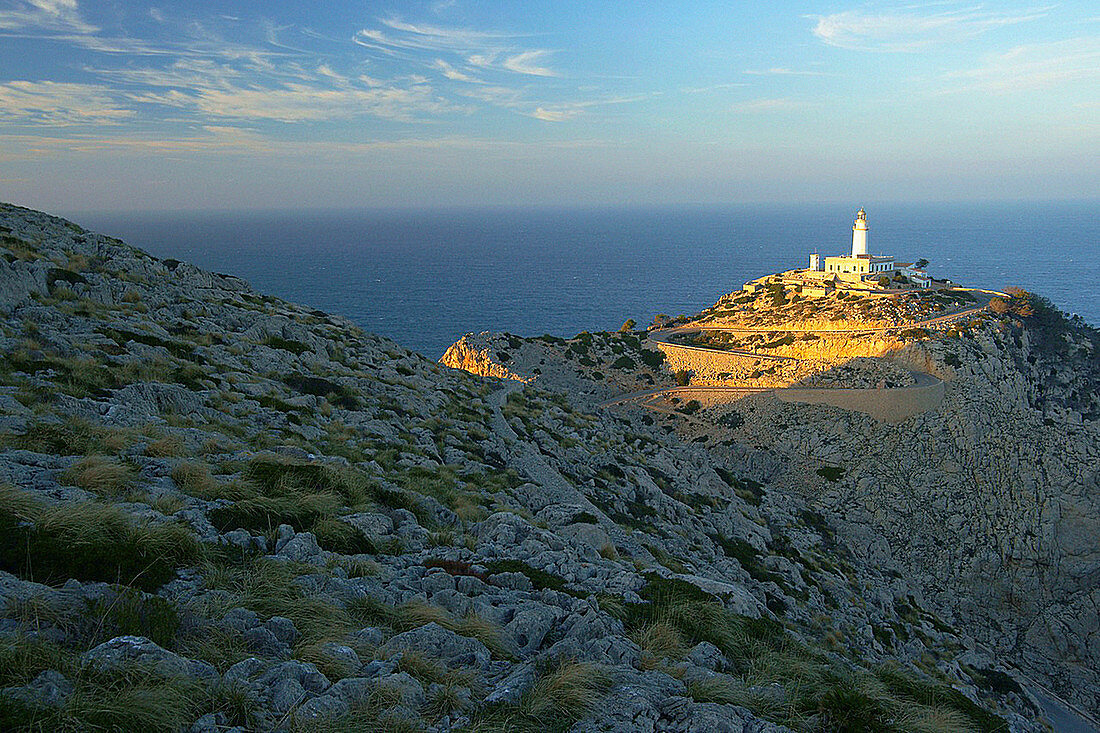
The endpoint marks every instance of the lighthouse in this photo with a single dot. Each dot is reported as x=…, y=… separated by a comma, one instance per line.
x=859, y=234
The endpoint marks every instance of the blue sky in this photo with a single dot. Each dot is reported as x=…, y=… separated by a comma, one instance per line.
x=122, y=105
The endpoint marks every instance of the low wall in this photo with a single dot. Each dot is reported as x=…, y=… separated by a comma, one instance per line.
x=712, y=364
x=887, y=405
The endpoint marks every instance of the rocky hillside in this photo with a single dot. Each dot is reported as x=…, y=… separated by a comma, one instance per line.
x=221, y=511
x=990, y=504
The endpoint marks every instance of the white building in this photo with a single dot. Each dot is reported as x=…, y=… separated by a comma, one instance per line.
x=860, y=234
x=859, y=263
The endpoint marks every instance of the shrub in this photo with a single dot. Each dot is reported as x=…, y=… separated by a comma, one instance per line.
x=295, y=347
x=652, y=358
x=539, y=578
x=683, y=377
x=625, y=363
x=132, y=613
x=136, y=700
x=629, y=325
x=337, y=394
x=690, y=407
x=307, y=496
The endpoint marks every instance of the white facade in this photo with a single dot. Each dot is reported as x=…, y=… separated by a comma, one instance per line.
x=861, y=264
x=815, y=262
x=860, y=234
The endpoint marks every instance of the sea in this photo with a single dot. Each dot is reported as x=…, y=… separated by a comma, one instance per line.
x=426, y=277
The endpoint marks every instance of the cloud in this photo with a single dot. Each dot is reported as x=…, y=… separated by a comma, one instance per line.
x=451, y=72
x=524, y=63
x=482, y=49
x=57, y=103
x=569, y=110
x=775, y=104
x=559, y=114
x=301, y=103
x=712, y=88
x=783, y=71
x=905, y=30
x=1032, y=66
x=49, y=16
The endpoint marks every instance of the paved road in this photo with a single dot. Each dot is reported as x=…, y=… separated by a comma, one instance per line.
x=920, y=379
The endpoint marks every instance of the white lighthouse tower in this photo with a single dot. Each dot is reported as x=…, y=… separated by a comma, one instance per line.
x=859, y=234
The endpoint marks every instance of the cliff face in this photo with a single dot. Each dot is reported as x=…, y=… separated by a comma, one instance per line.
x=220, y=509
x=479, y=360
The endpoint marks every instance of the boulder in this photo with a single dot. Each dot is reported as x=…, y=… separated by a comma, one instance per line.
x=447, y=646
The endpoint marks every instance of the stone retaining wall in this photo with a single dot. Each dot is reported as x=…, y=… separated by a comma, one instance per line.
x=710, y=364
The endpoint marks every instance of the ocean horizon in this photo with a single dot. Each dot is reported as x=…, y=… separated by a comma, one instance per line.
x=426, y=277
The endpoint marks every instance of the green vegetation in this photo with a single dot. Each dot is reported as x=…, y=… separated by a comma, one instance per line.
x=819, y=693
x=690, y=407
x=563, y=694
x=830, y=473
x=295, y=347
x=89, y=541
x=274, y=491
x=103, y=476
x=625, y=363
x=539, y=578
x=337, y=394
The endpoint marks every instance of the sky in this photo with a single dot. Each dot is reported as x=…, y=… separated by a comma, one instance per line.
x=117, y=105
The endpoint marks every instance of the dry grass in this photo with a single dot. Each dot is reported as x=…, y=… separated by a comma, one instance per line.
x=195, y=478
x=660, y=641
x=171, y=446
x=560, y=697
x=167, y=504
x=89, y=541
x=101, y=475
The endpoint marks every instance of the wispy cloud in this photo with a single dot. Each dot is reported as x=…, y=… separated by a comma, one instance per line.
x=907, y=29
x=772, y=104
x=1032, y=66
x=783, y=71
x=56, y=103
x=569, y=110
x=713, y=88
x=45, y=16
x=451, y=72
x=527, y=63
x=493, y=50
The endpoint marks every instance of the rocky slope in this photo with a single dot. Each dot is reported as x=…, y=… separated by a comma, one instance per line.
x=989, y=504
x=221, y=511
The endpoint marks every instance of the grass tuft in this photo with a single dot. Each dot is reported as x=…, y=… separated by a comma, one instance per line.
x=89, y=541
x=102, y=476
x=561, y=696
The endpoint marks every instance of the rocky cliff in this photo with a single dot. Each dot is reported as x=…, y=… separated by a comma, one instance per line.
x=222, y=511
